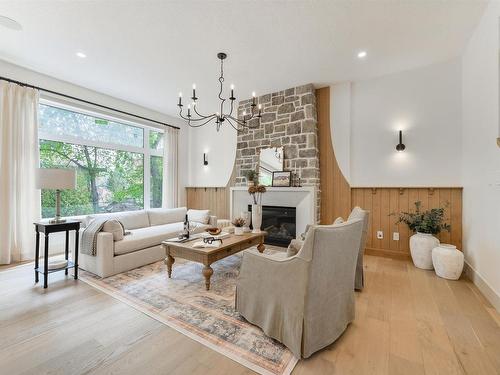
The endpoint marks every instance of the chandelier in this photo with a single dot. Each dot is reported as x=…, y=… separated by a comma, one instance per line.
x=195, y=119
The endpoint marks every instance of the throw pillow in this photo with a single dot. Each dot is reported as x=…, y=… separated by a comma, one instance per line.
x=115, y=227
x=338, y=220
x=200, y=216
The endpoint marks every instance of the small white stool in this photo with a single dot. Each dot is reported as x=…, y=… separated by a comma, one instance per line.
x=448, y=261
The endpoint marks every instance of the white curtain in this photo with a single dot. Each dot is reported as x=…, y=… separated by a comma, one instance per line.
x=19, y=158
x=171, y=169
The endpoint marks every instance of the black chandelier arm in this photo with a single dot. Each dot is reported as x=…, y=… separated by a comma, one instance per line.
x=231, y=123
x=199, y=114
x=243, y=123
x=231, y=109
x=204, y=123
x=196, y=119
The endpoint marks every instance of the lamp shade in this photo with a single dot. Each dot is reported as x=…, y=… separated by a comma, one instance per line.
x=55, y=179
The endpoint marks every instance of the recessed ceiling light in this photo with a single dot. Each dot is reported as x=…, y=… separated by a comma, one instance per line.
x=81, y=55
x=10, y=23
x=362, y=54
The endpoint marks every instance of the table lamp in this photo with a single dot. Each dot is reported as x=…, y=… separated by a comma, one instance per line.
x=56, y=179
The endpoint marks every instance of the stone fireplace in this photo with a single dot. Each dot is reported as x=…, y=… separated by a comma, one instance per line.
x=289, y=120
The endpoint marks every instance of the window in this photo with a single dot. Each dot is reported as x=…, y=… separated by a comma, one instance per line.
x=116, y=169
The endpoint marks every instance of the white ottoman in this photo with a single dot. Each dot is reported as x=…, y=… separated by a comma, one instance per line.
x=448, y=261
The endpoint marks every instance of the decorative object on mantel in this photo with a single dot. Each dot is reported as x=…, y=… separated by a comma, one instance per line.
x=425, y=224
x=256, y=193
x=238, y=223
x=296, y=181
x=448, y=262
x=220, y=117
x=400, y=146
x=252, y=177
x=282, y=179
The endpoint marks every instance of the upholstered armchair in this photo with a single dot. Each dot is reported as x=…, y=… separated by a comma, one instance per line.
x=305, y=301
x=356, y=213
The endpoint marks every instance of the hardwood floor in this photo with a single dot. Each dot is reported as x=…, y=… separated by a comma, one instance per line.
x=408, y=321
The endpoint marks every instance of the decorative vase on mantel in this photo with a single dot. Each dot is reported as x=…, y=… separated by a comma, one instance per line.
x=256, y=217
x=421, y=245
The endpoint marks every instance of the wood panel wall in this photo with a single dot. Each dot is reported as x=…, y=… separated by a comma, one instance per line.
x=335, y=190
x=381, y=202
x=216, y=199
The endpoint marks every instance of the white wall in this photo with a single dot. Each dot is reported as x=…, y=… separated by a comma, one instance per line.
x=24, y=75
x=481, y=155
x=221, y=152
x=426, y=104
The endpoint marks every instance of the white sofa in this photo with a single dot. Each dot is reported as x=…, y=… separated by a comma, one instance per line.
x=147, y=229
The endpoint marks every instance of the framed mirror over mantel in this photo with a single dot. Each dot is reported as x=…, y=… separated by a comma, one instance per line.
x=270, y=160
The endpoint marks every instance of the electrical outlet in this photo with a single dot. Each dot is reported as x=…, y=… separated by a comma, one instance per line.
x=395, y=236
x=380, y=235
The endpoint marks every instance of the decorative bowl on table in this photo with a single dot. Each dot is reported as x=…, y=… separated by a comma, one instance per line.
x=214, y=231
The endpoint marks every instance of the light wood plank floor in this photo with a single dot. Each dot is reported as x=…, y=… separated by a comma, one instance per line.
x=408, y=321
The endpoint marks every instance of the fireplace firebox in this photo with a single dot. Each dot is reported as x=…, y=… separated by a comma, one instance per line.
x=279, y=223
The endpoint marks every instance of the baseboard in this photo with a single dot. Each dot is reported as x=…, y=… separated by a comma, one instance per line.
x=483, y=286
x=387, y=253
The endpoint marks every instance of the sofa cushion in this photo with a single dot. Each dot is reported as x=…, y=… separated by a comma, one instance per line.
x=199, y=216
x=129, y=219
x=115, y=227
x=160, y=216
x=143, y=238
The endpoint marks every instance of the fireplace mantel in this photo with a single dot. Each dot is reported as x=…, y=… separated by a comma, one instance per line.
x=302, y=198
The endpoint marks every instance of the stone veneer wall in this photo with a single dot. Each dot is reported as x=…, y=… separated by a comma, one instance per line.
x=289, y=119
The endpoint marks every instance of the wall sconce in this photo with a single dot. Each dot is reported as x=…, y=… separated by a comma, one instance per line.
x=400, y=147
x=205, y=160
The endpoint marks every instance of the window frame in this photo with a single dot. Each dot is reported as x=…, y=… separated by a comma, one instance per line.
x=146, y=150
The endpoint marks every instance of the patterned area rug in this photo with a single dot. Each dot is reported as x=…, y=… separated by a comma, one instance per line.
x=207, y=317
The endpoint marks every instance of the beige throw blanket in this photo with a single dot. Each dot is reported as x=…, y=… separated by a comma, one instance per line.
x=88, y=243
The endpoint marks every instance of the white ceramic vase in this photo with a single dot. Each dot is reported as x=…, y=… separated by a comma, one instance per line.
x=421, y=245
x=256, y=217
x=448, y=261
x=238, y=231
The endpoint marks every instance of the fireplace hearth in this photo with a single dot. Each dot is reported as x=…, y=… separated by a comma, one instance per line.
x=279, y=223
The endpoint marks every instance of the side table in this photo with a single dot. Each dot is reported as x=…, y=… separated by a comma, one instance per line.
x=47, y=228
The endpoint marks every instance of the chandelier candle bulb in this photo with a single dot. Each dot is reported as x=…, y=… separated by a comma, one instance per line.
x=232, y=93
x=194, y=92
x=180, y=99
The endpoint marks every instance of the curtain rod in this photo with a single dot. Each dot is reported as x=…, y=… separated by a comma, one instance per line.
x=85, y=101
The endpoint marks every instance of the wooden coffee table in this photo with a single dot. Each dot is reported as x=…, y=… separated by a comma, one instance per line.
x=230, y=245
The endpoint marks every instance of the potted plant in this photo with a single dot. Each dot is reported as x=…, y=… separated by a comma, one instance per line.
x=425, y=224
x=252, y=177
x=238, y=223
x=256, y=193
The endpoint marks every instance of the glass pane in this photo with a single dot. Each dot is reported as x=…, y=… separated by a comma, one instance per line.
x=156, y=181
x=155, y=140
x=61, y=122
x=107, y=180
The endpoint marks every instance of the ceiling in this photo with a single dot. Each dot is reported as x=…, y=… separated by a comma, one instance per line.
x=146, y=52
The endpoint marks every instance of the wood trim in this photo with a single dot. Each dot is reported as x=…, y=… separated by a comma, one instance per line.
x=335, y=192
